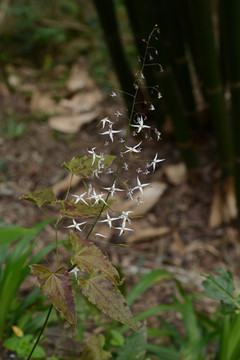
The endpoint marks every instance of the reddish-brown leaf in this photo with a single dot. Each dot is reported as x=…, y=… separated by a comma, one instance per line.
x=89, y=257
x=80, y=210
x=101, y=292
x=57, y=287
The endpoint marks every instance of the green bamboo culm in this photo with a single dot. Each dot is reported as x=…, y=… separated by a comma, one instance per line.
x=175, y=43
x=200, y=12
x=230, y=11
x=144, y=20
x=107, y=17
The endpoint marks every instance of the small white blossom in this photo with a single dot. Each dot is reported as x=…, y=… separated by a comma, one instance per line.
x=80, y=197
x=97, y=197
x=122, y=229
x=113, y=189
x=139, y=170
x=155, y=161
x=106, y=143
x=94, y=155
x=109, y=171
x=125, y=216
x=140, y=124
x=104, y=121
x=159, y=95
x=95, y=173
x=146, y=172
x=139, y=201
x=133, y=149
x=76, y=226
x=125, y=166
x=75, y=272
x=109, y=220
x=110, y=132
x=121, y=140
x=113, y=94
x=117, y=113
x=158, y=134
x=151, y=107
x=140, y=186
x=130, y=194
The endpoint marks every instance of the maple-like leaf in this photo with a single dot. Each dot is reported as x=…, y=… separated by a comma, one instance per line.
x=84, y=167
x=93, y=350
x=57, y=287
x=80, y=210
x=89, y=257
x=40, y=197
x=101, y=292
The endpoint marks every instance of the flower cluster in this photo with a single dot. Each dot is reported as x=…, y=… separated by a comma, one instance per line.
x=130, y=157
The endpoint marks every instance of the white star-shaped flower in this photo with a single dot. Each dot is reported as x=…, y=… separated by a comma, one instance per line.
x=125, y=166
x=125, y=216
x=110, y=132
x=117, y=113
x=80, y=197
x=140, y=186
x=152, y=108
x=140, y=124
x=122, y=229
x=94, y=155
x=113, y=189
x=97, y=197
x=104, y=121
x=75, y=272
x=76, y=226
x=109, y=220
x=133, y=149
x=155, y=161
x=113, y=94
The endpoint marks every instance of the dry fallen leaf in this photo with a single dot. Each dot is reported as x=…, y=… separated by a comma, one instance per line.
x=45, y=103
x=83, y=102
x=71, y=124
x=176, y=174
x=147, y=234
x=223, y=208
x=78, y=79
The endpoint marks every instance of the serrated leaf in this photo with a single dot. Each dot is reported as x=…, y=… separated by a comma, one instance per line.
x=93, y=350
x=89, y=257
x=84, y=166
x=220, y=287
x=80, y=210
x=101, y=292
x=57, y=287
x=40, y=197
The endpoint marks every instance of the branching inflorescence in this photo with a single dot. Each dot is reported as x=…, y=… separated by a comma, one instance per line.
x=96, y=276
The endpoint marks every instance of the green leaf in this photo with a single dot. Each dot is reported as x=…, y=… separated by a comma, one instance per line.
x=9, y=234
x=80, y=210
x=57, y=287
x=89, y=257
x=117, y=338
x=101, y=292
x=23, y=346
x=93, y=350
x=221, y=287
x=134, y=346
x=40, y=197
x=146, y=282
x=84, y=166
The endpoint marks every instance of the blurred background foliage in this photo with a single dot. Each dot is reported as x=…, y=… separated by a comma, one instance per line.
x=198, y=49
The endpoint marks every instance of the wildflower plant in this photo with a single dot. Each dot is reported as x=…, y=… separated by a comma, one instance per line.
x=96, y=277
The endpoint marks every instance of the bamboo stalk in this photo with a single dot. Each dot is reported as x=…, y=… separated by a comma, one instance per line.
x=142, y=14
x=107, y=16
x=230, y=11
x=174, y=41
x=202, y=31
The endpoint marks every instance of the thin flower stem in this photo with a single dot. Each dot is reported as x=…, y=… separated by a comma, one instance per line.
x=69, y=187
x=56, y=239
x=41, y=331
x=125, y=139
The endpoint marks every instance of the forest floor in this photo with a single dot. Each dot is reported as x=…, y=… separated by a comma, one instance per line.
x=173, y=232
